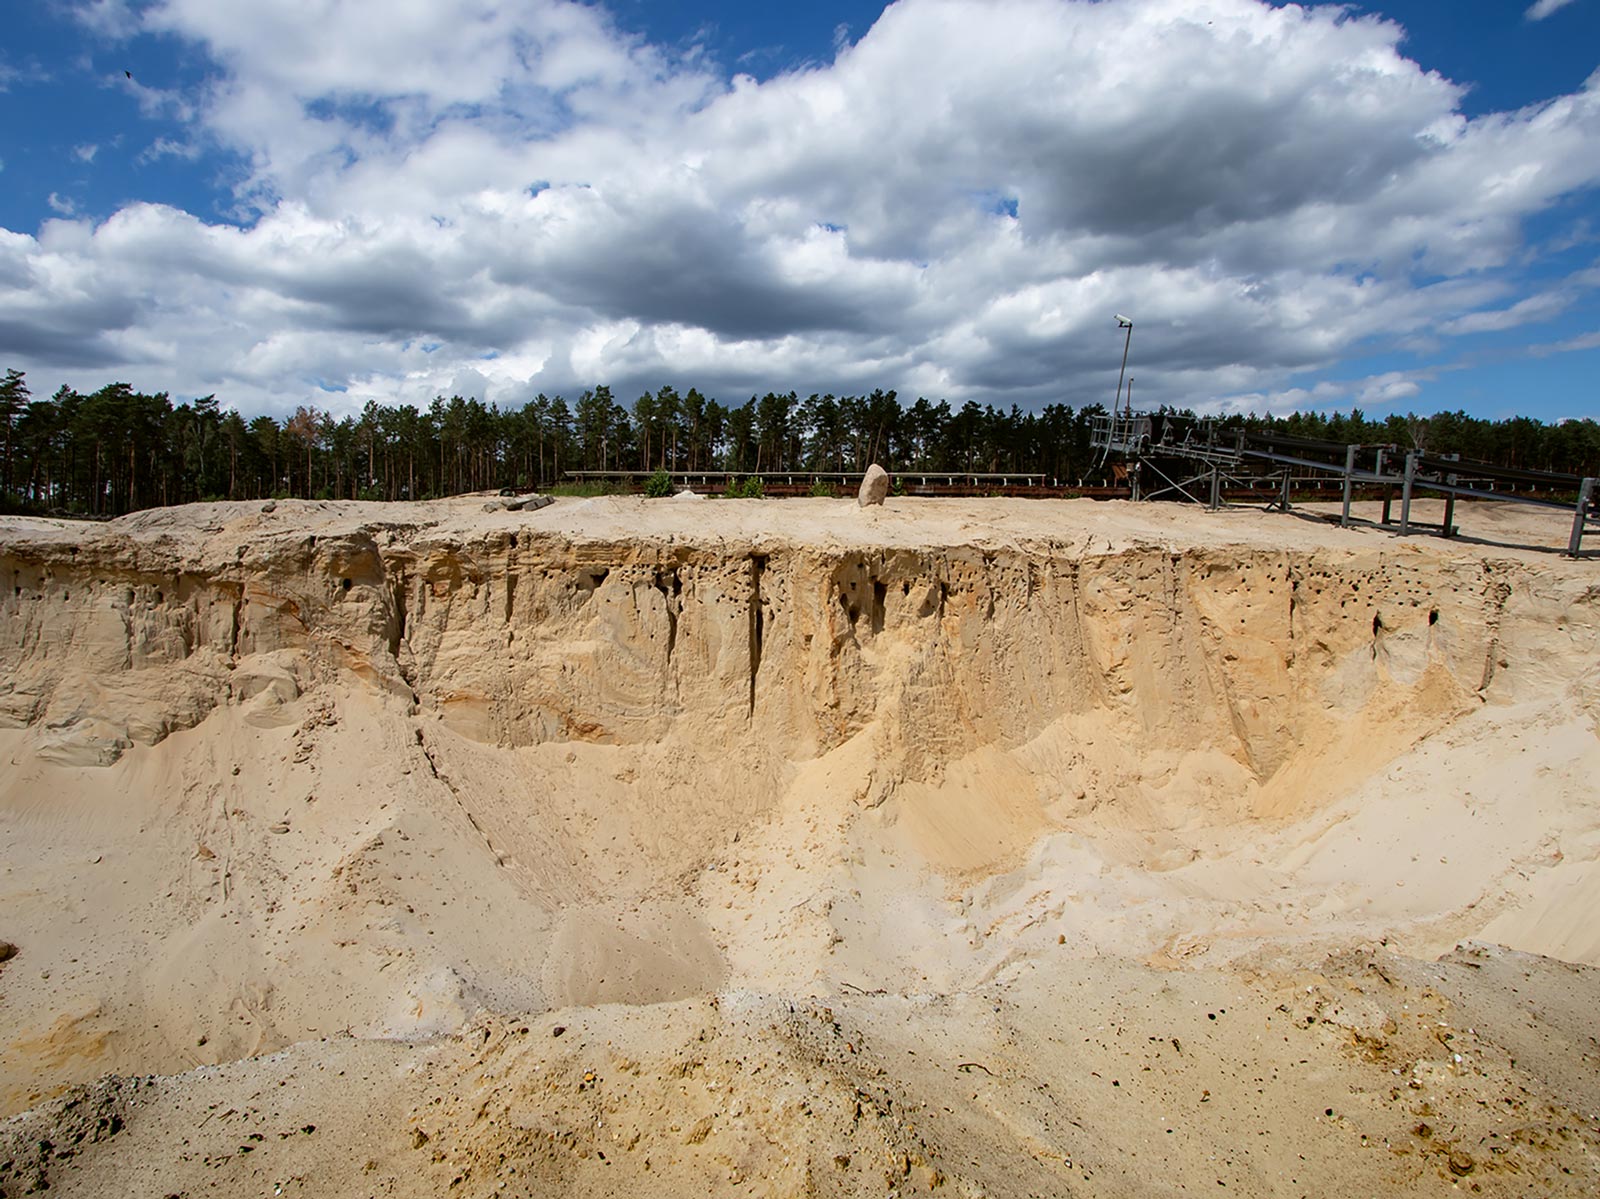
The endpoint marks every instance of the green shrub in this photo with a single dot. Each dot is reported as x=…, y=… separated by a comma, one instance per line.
x=659, y=485
x=744, y=489
x=823, y=490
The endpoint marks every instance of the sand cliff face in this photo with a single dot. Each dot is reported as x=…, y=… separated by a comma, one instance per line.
x=367, y=768
x=519, y=639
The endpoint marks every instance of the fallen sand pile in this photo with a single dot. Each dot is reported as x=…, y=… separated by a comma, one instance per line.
x=949, y=845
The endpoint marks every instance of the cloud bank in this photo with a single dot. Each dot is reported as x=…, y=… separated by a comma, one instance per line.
x=515, y=194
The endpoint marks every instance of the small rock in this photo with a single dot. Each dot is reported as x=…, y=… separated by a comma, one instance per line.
x=1460, y=1164
x=874, y=486
x=558, y=1030
x=418, y=1138
x=281, y=827
x=7, y=951
x=270, y=506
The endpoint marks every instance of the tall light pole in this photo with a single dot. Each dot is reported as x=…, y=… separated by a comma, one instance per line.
x=1123, y=323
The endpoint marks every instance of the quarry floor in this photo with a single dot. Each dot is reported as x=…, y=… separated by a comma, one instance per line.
x=969, y=847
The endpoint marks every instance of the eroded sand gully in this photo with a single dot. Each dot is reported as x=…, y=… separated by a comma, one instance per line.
x=986, y=847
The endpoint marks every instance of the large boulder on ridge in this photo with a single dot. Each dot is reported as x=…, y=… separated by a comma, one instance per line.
x=874, y=486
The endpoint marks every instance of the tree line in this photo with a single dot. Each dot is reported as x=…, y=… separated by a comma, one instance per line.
x=116, y=450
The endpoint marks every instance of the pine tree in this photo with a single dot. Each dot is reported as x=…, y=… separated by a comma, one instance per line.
x=13, y=401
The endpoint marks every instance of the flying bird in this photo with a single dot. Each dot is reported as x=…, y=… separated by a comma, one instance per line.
x=129, y=74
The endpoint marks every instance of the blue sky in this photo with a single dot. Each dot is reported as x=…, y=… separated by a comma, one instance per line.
x=329, y=201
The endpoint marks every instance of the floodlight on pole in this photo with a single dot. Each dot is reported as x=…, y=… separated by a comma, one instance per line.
x=1123, y=323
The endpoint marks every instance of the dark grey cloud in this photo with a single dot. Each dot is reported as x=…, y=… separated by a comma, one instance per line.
x=59, y=345
x=693, y=266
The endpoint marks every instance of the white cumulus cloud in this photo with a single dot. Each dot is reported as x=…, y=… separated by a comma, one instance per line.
x=954, y=205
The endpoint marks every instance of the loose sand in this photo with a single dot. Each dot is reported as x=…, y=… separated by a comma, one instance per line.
x=634, y=847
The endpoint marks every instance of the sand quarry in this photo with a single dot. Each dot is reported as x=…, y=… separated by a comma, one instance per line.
x=655, y=848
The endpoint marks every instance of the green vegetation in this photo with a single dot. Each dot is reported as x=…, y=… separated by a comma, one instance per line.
x=659, y=485
x=114, y=450
x=824, y=490
x=744, y=489
x=586, y=490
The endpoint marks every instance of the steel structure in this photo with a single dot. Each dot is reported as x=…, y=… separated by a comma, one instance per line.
x=1170, y=455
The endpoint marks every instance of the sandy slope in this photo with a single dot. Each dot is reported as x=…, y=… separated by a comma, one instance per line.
x=955, y=845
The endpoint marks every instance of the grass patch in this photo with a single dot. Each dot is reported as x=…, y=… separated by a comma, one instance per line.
x=586, y=490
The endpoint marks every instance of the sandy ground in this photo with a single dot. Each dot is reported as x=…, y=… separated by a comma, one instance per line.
x=781, y=847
